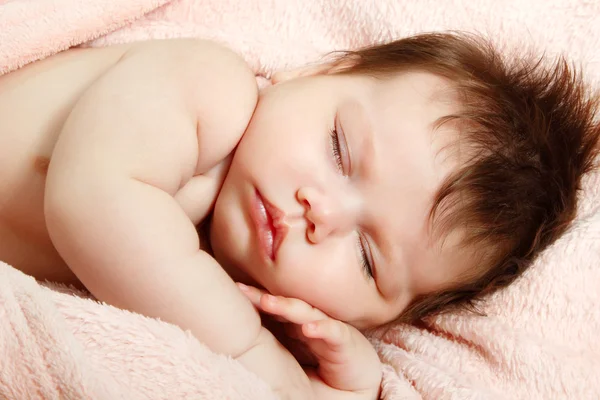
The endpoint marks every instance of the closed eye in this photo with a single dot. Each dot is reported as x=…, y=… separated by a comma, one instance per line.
x=339, y=149
x=365, y=256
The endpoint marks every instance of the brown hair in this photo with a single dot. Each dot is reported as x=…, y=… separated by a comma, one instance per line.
x=531, y=133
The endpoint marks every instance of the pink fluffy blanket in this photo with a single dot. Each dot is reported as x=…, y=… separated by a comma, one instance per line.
x=539, y=339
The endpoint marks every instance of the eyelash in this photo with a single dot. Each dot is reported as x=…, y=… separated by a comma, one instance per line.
x=364, y=260
x=337, y=155
x=335, y=148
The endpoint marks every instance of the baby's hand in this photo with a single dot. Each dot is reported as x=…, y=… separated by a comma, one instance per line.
x=346, y=359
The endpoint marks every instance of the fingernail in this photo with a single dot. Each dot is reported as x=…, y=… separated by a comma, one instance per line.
x=311, y=327
x=271, y=299
x=243, y=287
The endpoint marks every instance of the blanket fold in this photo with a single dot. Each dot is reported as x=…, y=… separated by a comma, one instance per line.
x=539, y=340
x=56, y=343
x=32, y=30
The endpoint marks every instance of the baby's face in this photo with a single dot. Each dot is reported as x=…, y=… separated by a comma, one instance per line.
x=346, y=226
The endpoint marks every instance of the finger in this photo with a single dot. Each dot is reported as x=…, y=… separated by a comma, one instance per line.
x=253, y=294
x=283, y=309
x=330, y=341
x=293, y=310
x=335, y=333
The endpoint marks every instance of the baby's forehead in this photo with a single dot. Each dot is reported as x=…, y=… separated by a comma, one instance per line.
x=416, y=109
x=414, y=94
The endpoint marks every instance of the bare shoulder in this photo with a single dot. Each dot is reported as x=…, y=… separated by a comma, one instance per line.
x=219, y=88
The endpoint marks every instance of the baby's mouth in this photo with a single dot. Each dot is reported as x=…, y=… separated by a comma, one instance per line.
x=270, y=225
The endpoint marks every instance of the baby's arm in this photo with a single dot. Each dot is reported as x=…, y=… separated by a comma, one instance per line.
x=138, y=135
x=163, y=113
x=128, y=146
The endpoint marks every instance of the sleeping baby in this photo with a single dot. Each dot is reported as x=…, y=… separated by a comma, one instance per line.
x=386, y=184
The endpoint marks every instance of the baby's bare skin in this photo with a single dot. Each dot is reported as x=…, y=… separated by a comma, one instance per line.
x=34, y=103
x=182, y=107
x=165, y=115
x=82, y=87
x=110, y=158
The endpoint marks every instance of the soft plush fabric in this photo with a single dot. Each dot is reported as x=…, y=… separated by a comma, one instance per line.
x=539, y=340
x=55, y=343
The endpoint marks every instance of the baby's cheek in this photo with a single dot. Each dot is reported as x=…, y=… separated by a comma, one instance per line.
x=326, y=277
x=300, y=279
x=342, y=296
x=328, y=292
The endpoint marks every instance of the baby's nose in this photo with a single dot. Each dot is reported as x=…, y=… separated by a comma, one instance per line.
x=327, y=213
